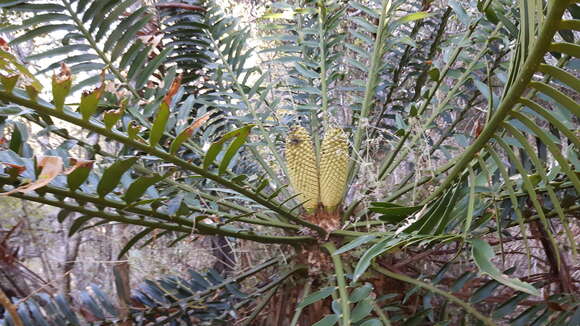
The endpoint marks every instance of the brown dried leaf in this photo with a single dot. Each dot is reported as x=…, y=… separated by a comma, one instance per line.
x=88, y=315
x=172, y=90
x=63, y=75
x=75, y=164
x=199, y=121
x=4, y=45
x=153, y=40
x=18, y=168
x=51, y=168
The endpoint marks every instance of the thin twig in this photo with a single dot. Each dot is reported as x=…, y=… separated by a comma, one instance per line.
x=5, y=301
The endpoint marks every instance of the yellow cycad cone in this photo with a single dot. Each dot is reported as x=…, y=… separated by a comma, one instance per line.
x=302, y=167
x=333, y=167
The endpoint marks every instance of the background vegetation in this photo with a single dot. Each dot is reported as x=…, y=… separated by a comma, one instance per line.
x=143, y=162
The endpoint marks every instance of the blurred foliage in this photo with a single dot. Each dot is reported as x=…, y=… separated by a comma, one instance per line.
x=463, y=124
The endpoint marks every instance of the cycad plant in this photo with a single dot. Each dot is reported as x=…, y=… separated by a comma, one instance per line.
x=420, y=139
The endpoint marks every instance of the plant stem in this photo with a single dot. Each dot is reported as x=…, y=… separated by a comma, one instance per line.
x=429, y=287
x=431, y=94
x=371, y=84
x=256, y=119
x=345, y=233
x=100, y=129
x=186, y=187
x=260, y=306
x=549, y=27
x=403, y=190
x=341, y=282
x=404, y=61
x=7, y=304
x=95, y=47
x=82, y=197
x=382, y=316
x=389, y=167
x=236, y=279
x=298, y=311
x=200, y=227
x=286, y=275
x=323, y=81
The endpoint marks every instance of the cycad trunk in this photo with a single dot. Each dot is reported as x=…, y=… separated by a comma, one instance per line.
x=283, y=306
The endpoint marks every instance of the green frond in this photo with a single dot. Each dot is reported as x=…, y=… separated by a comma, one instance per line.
x=520, y=115
x=96, y=36
x=465, y=138
x=208, y=297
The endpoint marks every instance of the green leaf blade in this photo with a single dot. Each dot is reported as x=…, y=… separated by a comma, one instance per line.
x=482, y=254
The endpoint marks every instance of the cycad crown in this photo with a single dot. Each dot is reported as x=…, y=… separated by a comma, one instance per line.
x=333, y=167
x=302, y=167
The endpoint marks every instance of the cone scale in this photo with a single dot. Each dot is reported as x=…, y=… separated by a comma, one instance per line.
x=333, y=168
x=302, y=167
